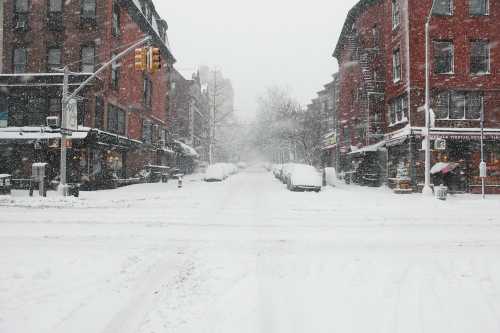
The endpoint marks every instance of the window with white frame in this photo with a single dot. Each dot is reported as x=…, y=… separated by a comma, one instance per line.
x=398, y=110
x=54, y=58
x=458, y=105
x=396, y=65
x=21, y=6
x=479, y=7
x=443, y=7
x=480, y=57
x=20, y=60
x=443, y=57
x=116, y=20
x=116, y=120
x=88, y=9
x=88, y=59
x=396, y=14
x=55, y=6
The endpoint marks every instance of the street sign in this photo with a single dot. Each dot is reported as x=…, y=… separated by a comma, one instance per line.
x=440, y=144
x=71, y=123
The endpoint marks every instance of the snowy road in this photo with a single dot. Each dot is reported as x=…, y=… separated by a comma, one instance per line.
x=248, y=256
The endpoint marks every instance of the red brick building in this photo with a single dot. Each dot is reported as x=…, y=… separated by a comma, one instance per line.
x=381, y=54
x=122, y=114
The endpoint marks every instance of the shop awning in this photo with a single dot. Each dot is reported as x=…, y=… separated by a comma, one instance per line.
x=442, y=167
x=185, y=149
x=37, y=133
x=369, y=149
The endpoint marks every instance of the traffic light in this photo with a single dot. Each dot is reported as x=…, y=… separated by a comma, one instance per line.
x=141, y=59
x=155, y=64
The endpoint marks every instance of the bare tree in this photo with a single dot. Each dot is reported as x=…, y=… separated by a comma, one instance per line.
x=284, y=131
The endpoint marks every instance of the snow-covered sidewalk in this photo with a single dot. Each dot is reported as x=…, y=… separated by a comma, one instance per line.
x=246, y=255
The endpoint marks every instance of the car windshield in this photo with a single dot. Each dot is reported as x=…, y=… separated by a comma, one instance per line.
x=249, y=166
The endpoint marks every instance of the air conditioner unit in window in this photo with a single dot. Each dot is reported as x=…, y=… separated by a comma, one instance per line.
x=21, y=24
x=53, y=122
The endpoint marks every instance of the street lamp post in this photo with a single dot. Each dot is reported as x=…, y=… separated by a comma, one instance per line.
x=68, y=97
x=427, y=140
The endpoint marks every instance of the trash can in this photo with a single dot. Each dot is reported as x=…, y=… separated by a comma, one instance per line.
x=441, y=192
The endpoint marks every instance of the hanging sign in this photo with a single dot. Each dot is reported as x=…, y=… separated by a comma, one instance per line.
x=71, y=116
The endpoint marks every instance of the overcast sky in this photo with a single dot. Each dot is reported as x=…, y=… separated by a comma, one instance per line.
x=258, y=43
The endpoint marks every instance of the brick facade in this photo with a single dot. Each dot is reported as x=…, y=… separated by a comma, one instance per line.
x=110, y=106
x=399, y=108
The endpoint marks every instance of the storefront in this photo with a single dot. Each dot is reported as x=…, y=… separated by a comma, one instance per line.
x=459, y=147
x=95, y=158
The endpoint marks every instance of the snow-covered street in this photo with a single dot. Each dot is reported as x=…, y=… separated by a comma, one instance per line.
x=246, y=255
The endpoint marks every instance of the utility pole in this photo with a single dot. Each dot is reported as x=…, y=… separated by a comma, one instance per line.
x=427, y=190
x=213, y=122
x=63, y=187
x=483, y=170
x=67, y=97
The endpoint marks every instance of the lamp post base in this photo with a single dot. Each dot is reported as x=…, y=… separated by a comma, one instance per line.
x=427, y=190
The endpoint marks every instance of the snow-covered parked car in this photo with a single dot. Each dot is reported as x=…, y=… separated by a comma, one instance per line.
x=286, y=172
x=304, y=178
x=220, y=171
x=277, y=170
x=215, y=173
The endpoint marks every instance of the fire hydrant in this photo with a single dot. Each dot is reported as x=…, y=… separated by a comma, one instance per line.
x=179, y=181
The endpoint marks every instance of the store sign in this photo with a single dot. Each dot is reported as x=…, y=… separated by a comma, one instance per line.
x=440, y=144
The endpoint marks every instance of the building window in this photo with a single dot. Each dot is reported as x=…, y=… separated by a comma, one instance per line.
x=458, y=105
x=88, y=59
x=443, y=57
x=396, y=14
x=21, y=6
x=54, y=55
x=376, y=36
x=4, y=112
x=398, y=110
x=396, y=65
x=55, y=6
x=99, y=112
x=115, y=73
x=21, y=11
x=116, y=20
x=55, y=107
x=148, y=92
x=479, y=7
x=480, y=57
x=116, y=120
x=443, y=7
x=20, y=60
x=36, y=112
x=147, y=131
x=88, y=9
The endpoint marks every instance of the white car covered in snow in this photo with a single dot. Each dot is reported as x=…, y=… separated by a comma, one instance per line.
x=304, y=178
x=215, y=173
x=220, y=171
